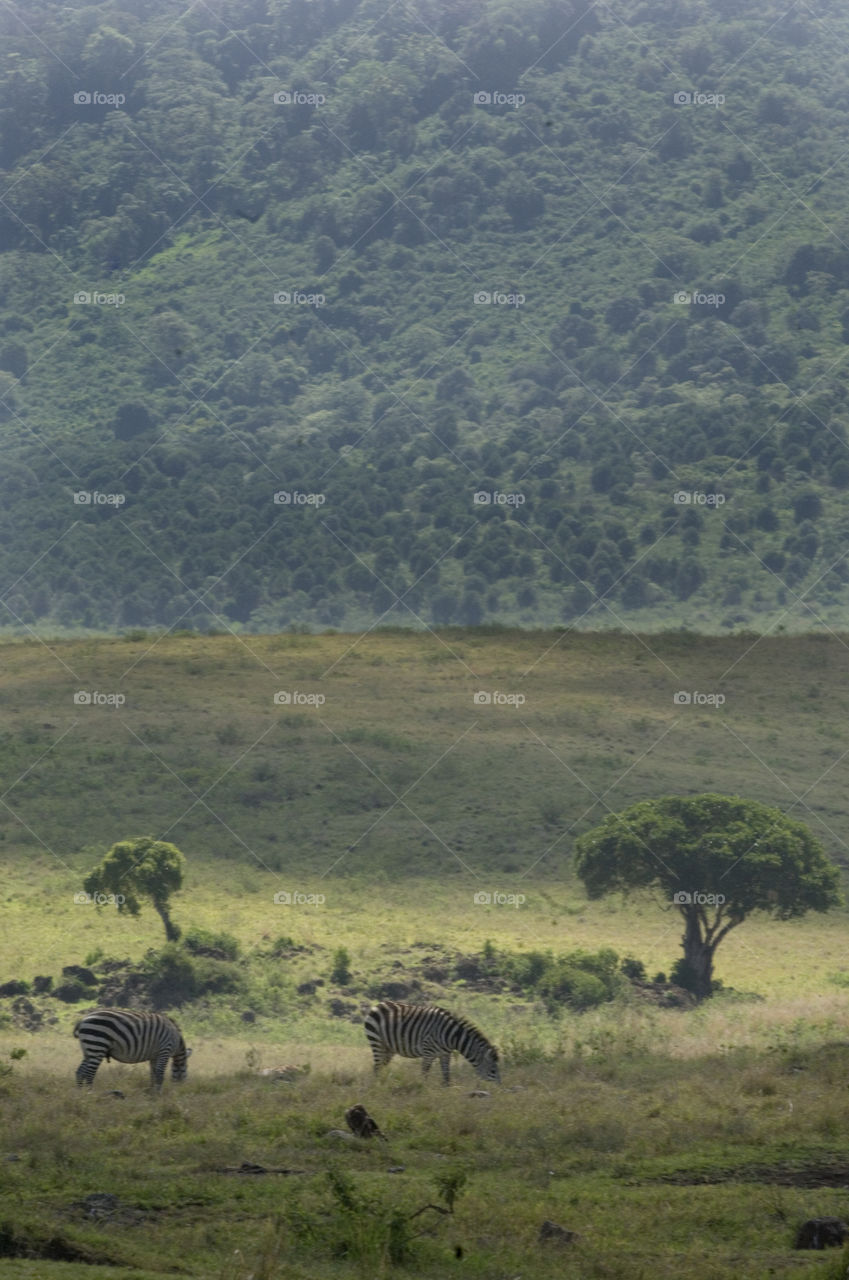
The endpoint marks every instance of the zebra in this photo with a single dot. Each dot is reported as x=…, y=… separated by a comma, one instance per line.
x=129, y=1036
x=425, y=1031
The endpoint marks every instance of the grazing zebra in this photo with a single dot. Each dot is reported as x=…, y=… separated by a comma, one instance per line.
x=128, y=1036
x=425, y=1031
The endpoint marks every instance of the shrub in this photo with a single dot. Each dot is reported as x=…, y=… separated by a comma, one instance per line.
x=581, y=979
x=205, y=942
x=633, y=969
x=340, y=974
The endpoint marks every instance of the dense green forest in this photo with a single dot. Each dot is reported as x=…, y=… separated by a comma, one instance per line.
x=381, y=259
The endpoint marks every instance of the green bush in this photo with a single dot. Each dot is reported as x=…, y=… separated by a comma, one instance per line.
x=340, y=974
x=633, y=969
x=206, y=942
x=177, y=976
x=581, y=979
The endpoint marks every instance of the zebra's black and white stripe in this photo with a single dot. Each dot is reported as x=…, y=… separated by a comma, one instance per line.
x=425, y=1031
x=129, y=1036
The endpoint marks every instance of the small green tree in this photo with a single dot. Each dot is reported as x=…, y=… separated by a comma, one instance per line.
x=716, y=859
x=140, y=868
x=341, y=972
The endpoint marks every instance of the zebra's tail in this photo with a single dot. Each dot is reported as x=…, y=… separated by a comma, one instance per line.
x=77, y=1026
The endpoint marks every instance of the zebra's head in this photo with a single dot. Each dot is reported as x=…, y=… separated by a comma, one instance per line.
x=488, y=1065
x=179, y=1063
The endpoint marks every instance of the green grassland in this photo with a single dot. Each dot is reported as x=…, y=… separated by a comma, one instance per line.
x=674, y=1142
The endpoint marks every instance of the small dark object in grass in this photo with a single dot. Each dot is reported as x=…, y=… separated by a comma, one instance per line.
x=360, y=1122
x=551, y=1231
x=821, y=1233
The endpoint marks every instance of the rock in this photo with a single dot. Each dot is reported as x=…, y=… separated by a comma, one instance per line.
x=479, y=1093
x=14, y=988
x=115, y=1093
x=81, y=974
x=396, y=1168
x=306, y=988
x=101, y=1204
x=341, y=1134
x=550, y=1232
x=821, y=1233
x=341, y=1008
x=71, y=992
x=26, y=1015
x=41, y=985
x=394, y=991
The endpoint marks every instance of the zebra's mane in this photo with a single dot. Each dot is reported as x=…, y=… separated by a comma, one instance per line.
x=462, y=1023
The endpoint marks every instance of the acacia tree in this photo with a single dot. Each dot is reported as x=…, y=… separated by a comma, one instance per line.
x=714, y=858
x=141, y=868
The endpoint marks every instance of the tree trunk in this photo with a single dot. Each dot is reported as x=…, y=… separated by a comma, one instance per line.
x=699, y=956
x=172, y=932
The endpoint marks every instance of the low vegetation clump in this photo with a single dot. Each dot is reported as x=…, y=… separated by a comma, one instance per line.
x=578, y=979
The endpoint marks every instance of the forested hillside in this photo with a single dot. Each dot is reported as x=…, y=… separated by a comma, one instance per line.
x=381, y=259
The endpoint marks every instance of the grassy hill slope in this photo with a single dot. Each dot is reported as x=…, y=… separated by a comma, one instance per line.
x=400, y=797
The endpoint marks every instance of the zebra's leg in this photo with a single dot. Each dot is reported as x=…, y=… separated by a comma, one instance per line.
x=157, y=1069
x=382, y=1058
x=87, y=1070
x=444, y=1059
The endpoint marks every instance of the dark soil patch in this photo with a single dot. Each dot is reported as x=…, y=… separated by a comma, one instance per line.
x=15, y=1243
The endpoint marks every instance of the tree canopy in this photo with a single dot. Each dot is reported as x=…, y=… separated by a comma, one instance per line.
x=714, y=858
x=140, y=868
